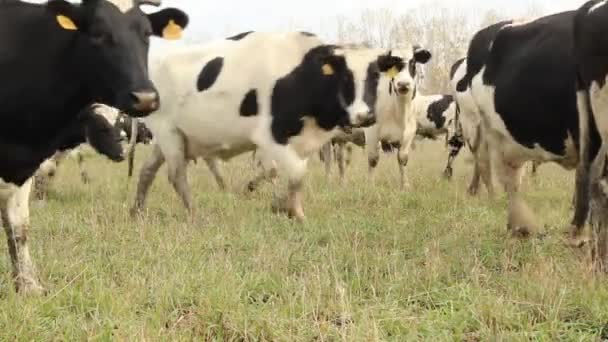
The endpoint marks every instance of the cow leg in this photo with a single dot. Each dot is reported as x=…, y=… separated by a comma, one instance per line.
x=146, y=178
x=373, y=152
x=214, y=168
x=340, y=149
x=84, y=175
x=349, y=154
x=521, y=222
x=580, y=201
x=598, y=214
x=475, y=181
x=326, y=158
x=295, y=169
x=403, y=154
x=15, y=218
x=485, y=167
x=177, y=170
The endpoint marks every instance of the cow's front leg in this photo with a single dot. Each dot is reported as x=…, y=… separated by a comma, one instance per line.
x=326, y=157
x=340, y=158
x=373, y=151
x=146, y=178
x=15, y=219
x=295, y=169
x=403, y=155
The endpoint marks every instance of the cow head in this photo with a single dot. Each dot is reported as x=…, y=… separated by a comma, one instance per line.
x=400, y=67
x=354, y=72
x=111, y=49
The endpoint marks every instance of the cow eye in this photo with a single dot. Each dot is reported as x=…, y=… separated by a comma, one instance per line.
x=100, y=37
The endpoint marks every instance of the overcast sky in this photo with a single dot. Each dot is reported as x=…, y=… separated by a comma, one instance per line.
x=215, y=19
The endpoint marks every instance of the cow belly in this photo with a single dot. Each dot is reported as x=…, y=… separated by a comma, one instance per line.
x=390, y=132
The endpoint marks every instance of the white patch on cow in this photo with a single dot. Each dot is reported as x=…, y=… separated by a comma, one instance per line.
x=470, y=117
x=597, y=6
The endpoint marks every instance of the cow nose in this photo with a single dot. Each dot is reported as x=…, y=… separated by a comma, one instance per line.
x=145, y=101
x=365, y=118
x=404, y=87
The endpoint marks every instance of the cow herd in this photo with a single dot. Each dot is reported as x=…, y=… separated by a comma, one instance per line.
x=526, y=91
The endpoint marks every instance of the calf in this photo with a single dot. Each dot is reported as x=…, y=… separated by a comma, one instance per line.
x=522, y=78
x=590, y=48
x=286, y=101
x=74, y=55
x=396, y=110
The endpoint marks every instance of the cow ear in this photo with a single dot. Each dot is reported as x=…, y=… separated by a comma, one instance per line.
x=68, y=16
x=389, y=64
x=422, y=56
x=168, y=23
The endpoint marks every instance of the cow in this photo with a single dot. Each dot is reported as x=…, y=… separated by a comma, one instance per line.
x=589, y=48
x=396, y=113
x=285, y=100
x=57, y=59
x=522, y=77
x=469, y=128
x=105, y=138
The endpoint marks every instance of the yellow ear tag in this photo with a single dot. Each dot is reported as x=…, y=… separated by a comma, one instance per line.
x=172, y=31
x=327, y=70
x=66, y=23
x=392, y=72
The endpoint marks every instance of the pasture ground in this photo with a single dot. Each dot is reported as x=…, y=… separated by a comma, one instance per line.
x=372, y=263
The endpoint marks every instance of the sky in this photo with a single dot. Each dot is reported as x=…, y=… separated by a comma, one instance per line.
x=212, y=19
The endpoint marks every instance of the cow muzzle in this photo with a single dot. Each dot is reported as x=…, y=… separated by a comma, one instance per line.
x=145, y=102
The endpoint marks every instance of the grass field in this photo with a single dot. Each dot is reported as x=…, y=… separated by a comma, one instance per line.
x=372, y=263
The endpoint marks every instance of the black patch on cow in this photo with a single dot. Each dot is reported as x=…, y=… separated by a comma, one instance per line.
x=591, y=42
x=370, y=93
x=455, y=67
x=209, y=74
x=308, y=34
x=436, y=111
x=478, y=53
x=249, y=105
x=411, y=66
x=533, y=70
x=306, y=92
x=240, y=35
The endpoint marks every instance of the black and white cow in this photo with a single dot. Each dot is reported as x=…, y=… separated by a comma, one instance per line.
x=286, y=100
x=57, y=59
x=590, y=51
x=396, y=110
x=522, y=78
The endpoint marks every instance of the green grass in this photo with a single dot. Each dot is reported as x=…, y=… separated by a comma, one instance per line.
x=372, y=263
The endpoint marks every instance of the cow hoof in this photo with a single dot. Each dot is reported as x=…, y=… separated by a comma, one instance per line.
x=29, y=287
x=473, y=191
x=447, y=173
x=279, y=205
x=251, y=187
x=135, y=212
x=521, y=232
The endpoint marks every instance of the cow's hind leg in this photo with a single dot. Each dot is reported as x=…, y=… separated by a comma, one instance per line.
x=177, y=171
x=325, y=154
x=212, y=164
x=146, y=178
x=15, y=219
